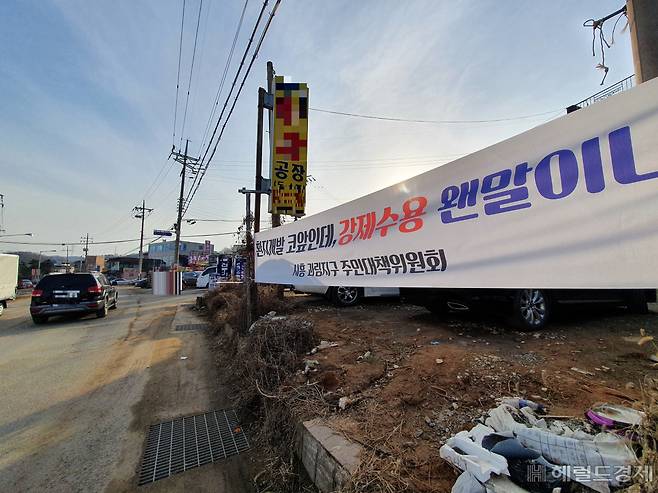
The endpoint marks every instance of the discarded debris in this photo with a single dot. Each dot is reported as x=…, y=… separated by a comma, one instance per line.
x=345, y=402
x=323, y=345
x=613, y=416
x=518, y=403
x=364, y=356
x=439, y=361
x=310, y=364
x=582, y=372
x=183, y=357
x=514, y=438
x=435, y=343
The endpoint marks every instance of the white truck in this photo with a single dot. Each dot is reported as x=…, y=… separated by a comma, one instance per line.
x=8, y=279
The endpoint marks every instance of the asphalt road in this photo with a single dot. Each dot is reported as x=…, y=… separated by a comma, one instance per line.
x=77, y=395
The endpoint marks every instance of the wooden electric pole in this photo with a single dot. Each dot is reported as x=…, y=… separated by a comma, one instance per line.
x=186, y=161
x=85, y=240
x=140, y=213
x=276, y=218
x=643, y=21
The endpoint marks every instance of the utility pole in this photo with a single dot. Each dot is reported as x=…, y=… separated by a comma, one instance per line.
x=140, y=213
x=259, y=158
x=67, y=256
x=2, y=213
x=251, y=291
x=85, y=240
x=276, y=218
x=643, y=21
x=186, y=161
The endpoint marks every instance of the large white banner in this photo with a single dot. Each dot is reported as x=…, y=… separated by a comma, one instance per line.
x=570, y=204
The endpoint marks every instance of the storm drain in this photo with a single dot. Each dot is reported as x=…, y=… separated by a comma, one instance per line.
x=191, y=327
x=192, y=441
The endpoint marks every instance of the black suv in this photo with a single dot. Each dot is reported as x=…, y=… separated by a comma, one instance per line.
x=60, y=294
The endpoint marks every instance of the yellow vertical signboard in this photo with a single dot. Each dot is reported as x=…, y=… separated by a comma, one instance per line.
x=289, y=148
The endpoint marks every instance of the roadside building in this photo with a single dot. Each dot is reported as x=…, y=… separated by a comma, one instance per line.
x=95, y=263
x=192, y=254
x=128, y=266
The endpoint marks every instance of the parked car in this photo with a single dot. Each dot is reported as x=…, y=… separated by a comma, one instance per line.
x=346, y=295
x=189, y=278
x=84, y=293
x=120, y=281
x=528, y=309
x=25, y=284
x=203, y=280
x=143, y=283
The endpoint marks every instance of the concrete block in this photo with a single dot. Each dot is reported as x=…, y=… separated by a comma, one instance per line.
x=328, y=457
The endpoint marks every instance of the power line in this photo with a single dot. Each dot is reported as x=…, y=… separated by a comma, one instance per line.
x=189, y=83
x=59, y=243
x=440, y=122
x=195, y=220
x=228, y=97
x=223, y=78
x=228, y=116
x=408, y=158
x=156, y=184
x=180, y=51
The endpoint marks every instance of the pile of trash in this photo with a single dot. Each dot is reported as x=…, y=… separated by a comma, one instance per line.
x=519, y=449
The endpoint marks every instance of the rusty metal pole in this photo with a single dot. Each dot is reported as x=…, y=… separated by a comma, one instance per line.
x=643, y=21
x=259, y=159
x=276, y=218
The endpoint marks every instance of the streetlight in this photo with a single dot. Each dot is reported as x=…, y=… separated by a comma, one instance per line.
x=17, y=234
x=195, y=220
x=39, y=263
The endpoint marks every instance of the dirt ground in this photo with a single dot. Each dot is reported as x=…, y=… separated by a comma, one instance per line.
x=414, y=379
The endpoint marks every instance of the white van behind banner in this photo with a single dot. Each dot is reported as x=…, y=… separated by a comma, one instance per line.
x=570, y=204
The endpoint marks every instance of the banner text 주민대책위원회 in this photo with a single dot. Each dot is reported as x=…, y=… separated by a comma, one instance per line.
x=572, y=203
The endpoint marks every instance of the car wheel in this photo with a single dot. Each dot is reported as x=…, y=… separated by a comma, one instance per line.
x=102, y=313
x=531, y=309
x=438, y=307
x=39, y=320
x=637, y=303
x=2, y=307
x=345, y=295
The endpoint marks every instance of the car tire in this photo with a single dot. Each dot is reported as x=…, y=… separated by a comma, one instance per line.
x=345, y=295
x=637, y=303
x=115, y=303
x=38, y=320
x=531, y=309
x=2, y=307
x=438, y=307
x=102, y=313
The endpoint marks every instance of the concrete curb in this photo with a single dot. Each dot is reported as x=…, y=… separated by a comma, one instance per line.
x=328, y=457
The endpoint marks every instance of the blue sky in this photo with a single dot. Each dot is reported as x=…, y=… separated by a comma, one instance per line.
x=87, y=94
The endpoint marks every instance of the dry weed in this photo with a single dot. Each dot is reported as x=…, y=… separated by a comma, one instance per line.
x=648, y=433
x=263, y=360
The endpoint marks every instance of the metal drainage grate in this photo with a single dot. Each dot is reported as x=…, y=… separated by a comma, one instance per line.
x=189, y=442
x=191, y=327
